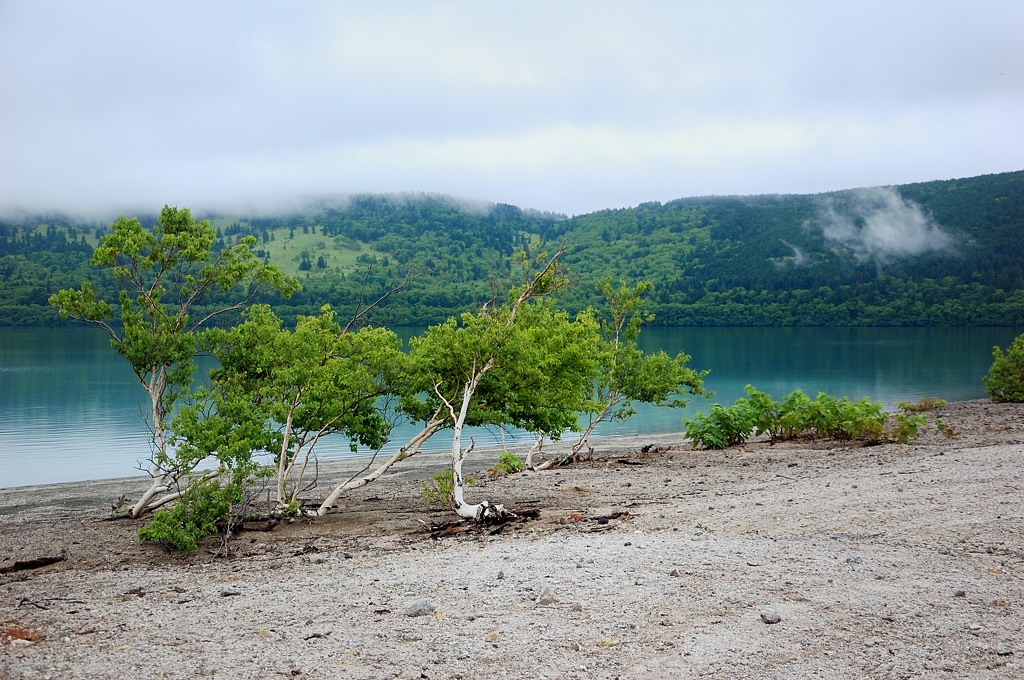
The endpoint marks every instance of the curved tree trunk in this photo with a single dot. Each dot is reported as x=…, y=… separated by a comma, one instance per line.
x=484, y=512
x=406, y=451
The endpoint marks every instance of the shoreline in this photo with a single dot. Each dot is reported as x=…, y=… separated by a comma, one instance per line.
x=418, y=467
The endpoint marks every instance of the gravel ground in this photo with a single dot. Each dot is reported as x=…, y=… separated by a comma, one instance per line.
x=803, y=559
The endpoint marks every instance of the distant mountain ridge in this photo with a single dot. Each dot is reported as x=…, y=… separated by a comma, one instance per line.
x=947, y=252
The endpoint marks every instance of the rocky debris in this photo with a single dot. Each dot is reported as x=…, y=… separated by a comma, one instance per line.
x=420, y=608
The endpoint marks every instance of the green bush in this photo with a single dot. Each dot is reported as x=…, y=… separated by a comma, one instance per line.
x=796, y=416
x=721, y=427
x=203, y=509
x=1005, y=379
x=508, y=463
x=440, y=489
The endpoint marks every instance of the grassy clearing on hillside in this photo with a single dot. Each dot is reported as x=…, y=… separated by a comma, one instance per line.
x=286, y=248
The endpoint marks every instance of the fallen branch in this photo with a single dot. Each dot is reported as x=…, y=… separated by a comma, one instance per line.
x=37, y=563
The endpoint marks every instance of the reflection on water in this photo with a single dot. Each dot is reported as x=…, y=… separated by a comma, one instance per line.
x=70, y=409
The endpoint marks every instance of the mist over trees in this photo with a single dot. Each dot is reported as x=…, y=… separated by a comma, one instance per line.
x=947, y=252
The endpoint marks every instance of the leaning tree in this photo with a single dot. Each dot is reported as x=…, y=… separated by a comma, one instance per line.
x=172, y=282
x=520, y=364
x=626, y=374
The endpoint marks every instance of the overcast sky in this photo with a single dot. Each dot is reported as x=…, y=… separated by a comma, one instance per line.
x=555, y=105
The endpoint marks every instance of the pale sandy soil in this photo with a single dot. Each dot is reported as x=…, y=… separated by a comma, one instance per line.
x=887, y=561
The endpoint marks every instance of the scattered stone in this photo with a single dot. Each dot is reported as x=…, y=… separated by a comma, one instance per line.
x=421, y=608
x=674, y=572
x=769, y=616
x=229, y=591
x=547, y=596
x=501, y=575
x=853, y=560
x=1004, y=650
x=960, y=593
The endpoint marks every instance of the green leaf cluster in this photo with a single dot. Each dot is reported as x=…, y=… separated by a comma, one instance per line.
x=201, y=511
x=838, y=419
x=543, y=366
x=439, y=490
x=1005, y=379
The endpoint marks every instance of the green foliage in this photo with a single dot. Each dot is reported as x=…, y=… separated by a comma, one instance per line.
x=920, y=405
x=279, y=392
x=945, y=428
x=1005, y=379
x=907, y=426
x=164, y=274
x=721, y=427
x=508, y=463
x=844, y=420
x=439, y=490
x=542, y=366
x=797, y=415
x=712, y=260
x=202, y=511
x=625, y=373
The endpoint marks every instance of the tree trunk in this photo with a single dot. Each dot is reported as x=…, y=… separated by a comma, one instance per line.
x=484, y=512
x=161, y=478
x=534, y=450
x=406, y=451
x=578, y=445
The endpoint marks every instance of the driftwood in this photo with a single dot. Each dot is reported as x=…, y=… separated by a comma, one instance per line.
x=37, y=563
x=445, y=529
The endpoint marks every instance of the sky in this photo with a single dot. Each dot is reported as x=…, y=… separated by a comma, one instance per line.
x=555, y=105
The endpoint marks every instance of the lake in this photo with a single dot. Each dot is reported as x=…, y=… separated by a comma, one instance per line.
x=70, y=409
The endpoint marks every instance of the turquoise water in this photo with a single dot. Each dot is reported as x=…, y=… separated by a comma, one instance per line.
x=71, y=410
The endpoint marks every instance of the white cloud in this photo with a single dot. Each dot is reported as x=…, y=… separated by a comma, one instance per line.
x=879, y=224
x=570, y=106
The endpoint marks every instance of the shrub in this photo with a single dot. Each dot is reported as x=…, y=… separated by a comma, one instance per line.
x=1005, y=379
x=440, y=489
x=921, y=405
x=199, y=513
x=508, y=463
x=797, y=415
x=845, y=420
x=721, y=427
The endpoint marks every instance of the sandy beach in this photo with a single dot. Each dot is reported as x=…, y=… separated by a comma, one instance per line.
x=795, y=560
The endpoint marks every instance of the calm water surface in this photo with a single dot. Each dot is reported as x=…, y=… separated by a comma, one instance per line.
x=71, y=410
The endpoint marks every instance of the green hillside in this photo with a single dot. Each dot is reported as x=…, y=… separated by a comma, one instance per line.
x=936, y=253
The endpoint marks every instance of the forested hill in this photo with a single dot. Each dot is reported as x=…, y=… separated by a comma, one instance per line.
x=935, y=253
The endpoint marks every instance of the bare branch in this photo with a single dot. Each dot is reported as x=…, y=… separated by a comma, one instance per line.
x=393, y=288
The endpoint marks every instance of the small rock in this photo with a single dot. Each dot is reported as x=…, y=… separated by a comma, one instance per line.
x=1004, y=650
x=770, y=616
x=547, y=596
x=421, y=608
x=228, y=591
x=853, y=560
x=960, y=593
x=674, y=572
x=501, y=575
